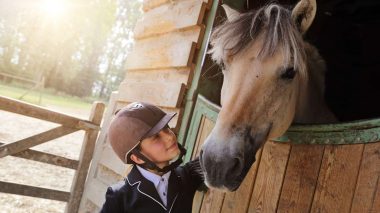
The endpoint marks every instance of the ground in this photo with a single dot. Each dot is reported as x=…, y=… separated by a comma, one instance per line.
x=14, y=127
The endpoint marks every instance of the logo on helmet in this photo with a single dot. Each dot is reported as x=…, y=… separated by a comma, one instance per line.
x=136, y=106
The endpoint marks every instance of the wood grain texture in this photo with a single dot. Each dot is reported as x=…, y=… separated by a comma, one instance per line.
x=48, y=158
x=85, y=157
x=24, y=144
x=151, y=4
x=269, y=178
x=301, y=178
x=182, y=15
x=110, y=160
x=172, y=75
x=212, y=201
x=157, y=93
x=239, y=201
x=96, y=193
x=337, y=178
x=367, y=193
x=204, y=130
x=33, y=191
x=170, y=50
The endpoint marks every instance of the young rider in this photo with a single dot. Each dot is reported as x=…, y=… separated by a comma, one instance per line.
x=139, y=134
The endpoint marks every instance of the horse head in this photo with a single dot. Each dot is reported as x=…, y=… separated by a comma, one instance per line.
x=266, y=86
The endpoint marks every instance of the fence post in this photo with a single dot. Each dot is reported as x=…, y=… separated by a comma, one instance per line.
x=85, y=157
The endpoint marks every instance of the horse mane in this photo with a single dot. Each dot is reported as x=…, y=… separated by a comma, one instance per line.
x=271, y=23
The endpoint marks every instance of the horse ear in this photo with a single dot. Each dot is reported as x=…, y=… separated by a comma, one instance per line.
x=303, y=14
x=231, y=13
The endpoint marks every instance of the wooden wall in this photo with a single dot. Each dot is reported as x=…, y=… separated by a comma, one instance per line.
x=158, y=70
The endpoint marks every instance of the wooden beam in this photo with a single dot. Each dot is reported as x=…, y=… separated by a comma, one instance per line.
x=48, y=158
x=238, y=201
x=337, y=178
x=170, y=50
x=301, y=178
x=367, y=193
x=161, y=94
x=21, y=145
x=158, y=21
x=32, y=191
x=151, y=4
x=31, y=110
x=85, y=158
x=270, y=175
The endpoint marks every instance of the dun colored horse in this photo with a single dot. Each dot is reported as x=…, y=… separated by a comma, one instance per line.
x=272, y=77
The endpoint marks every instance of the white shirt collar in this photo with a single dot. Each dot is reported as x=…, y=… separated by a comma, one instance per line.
x=154, y=178
x=161, y=183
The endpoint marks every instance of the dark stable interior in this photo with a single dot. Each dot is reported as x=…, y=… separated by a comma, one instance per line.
x=347, y=35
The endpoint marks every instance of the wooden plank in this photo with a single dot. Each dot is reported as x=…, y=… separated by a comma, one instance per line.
x=32, y=191
x=300, y=178
x=172, y=75
x=111, y=160
x=367, y=193
x=213, y=201
x=48, y=158
x=160, y=94
x=337, y=178
x=100, y=144
x=89, y=206
x=238, y=201
x=168, y=17
x=19, y=78
x=174, y=49
x=205, y=129
x=269, y=178
x=97, y=192
x=151, y=4
x=85, y=158
x=107, y=176
x=23, y=108
x=197, y=201
x=21, y=145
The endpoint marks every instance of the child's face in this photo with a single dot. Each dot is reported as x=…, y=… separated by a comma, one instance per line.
x=161, y=147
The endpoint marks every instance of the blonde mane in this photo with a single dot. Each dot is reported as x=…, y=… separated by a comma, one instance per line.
x=273, y=24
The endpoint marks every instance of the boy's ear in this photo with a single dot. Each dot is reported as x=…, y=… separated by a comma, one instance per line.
x=136, y=159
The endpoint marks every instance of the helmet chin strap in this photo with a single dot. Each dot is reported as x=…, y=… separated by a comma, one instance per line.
x=152, y=166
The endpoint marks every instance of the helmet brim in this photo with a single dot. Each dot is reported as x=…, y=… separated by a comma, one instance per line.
x=160, y=125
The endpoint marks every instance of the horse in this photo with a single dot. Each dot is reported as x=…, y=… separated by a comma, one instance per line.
x=271, y=78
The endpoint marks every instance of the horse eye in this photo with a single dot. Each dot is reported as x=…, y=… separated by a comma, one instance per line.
x=288, y=74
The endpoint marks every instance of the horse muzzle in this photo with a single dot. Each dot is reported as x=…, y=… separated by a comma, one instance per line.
x=226, y=161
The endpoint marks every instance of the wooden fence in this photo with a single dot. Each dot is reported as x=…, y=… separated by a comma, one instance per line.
x=69, y=125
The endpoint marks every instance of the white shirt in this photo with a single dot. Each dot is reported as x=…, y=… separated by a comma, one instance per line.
x=160, y=182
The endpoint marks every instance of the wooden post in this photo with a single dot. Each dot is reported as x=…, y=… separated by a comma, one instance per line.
x=87, y=151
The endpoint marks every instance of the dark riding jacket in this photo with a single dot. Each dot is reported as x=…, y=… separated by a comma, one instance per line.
x=136, y=194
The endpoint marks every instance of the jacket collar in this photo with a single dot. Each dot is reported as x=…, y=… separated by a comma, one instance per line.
x=147, y=188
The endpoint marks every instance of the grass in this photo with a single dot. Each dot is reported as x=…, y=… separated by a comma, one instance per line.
x=47, y=97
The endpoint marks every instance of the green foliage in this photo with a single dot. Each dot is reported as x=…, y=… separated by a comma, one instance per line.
x=68, y=49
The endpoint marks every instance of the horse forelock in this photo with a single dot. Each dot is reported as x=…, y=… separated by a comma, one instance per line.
x=273, y=24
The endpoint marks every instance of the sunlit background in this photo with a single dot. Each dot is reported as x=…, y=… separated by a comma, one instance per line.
x=62, y=55
x=77, y=47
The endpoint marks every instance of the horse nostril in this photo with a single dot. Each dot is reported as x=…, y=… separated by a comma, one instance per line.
x=236, y=167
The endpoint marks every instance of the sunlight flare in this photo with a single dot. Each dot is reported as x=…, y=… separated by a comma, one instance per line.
x=54, y=8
